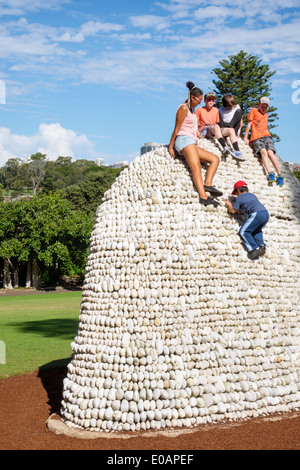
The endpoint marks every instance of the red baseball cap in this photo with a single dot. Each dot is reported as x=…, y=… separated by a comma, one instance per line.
x=239, y=184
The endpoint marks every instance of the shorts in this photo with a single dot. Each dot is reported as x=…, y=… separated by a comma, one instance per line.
x=183, y=141
x=263, y=143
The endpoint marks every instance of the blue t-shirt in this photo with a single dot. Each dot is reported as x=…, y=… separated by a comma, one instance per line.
x=248, y=203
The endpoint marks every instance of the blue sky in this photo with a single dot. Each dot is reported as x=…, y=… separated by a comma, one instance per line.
x=98, y=79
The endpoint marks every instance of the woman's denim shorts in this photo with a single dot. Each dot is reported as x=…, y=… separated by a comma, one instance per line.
x=183, y=141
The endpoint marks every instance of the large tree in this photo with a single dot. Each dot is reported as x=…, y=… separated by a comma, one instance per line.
x=42, y=234
x=87, y=194
x=13, y=174
x=37, y=163
x=247, y=79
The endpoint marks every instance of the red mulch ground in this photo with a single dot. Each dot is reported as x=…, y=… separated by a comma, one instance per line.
x=26, y=403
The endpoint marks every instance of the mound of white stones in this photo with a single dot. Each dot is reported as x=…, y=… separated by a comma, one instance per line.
x=177, y=326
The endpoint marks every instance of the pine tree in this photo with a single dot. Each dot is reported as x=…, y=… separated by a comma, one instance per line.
x=247, y=79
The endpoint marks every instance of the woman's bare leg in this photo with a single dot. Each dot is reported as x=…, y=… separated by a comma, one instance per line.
x=213, y=162
x=192, y=157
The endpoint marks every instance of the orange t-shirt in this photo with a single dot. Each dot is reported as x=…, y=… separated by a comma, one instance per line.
x=207, y=117
x=259, y=126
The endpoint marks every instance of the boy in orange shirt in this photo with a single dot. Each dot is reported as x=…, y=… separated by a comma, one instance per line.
x=261, y=139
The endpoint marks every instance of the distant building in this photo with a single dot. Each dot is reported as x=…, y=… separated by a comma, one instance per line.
x=149, y=146
x=100, y=161
x=121, y=164
x=293, y=166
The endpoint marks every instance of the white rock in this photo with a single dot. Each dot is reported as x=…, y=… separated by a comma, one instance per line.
x=126, y=340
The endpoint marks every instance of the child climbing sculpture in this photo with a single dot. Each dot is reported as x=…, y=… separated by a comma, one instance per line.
x=251, y=231
x=261, y=139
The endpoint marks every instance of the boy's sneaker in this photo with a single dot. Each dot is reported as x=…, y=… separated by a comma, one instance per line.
x=238, y=155
x=226, y=150
x=261, y=250
x=271, y=178
x=280, y=180
x=253, y=254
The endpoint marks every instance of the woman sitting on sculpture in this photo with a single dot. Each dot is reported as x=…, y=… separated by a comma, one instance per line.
x=184, y=139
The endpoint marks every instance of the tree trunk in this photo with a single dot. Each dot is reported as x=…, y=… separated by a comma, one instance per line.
x=28, y=275
x=35, y=274
x=7, y=284
x=16, y=278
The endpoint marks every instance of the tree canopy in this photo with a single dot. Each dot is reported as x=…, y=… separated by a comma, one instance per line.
x=38, y=174
x=49, y=227
x=45, y=230
x=247, y=79
x=297, y=175
x=87, y=194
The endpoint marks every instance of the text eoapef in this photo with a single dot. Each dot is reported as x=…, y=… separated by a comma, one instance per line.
x=155, y=459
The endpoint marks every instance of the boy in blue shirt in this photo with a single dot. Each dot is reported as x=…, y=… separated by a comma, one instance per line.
x=251, y=231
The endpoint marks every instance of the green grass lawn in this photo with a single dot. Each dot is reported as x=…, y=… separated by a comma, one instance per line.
x=36, y=331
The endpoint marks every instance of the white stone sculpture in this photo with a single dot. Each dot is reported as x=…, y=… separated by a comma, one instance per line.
x=177, y=326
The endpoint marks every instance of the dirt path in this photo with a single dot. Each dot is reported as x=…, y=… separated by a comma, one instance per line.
x=26, y=403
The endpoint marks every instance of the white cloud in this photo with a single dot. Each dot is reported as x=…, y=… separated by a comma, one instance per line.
x=132, y=37
x=150, y=21
x=213, y=12
x=192, y=35
x=10, y=12
x=270, y=11
x=119, y=54
x=17, y=7
x=89, y=29
x=25, y=45
x=50, y=139
x=135, y=69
